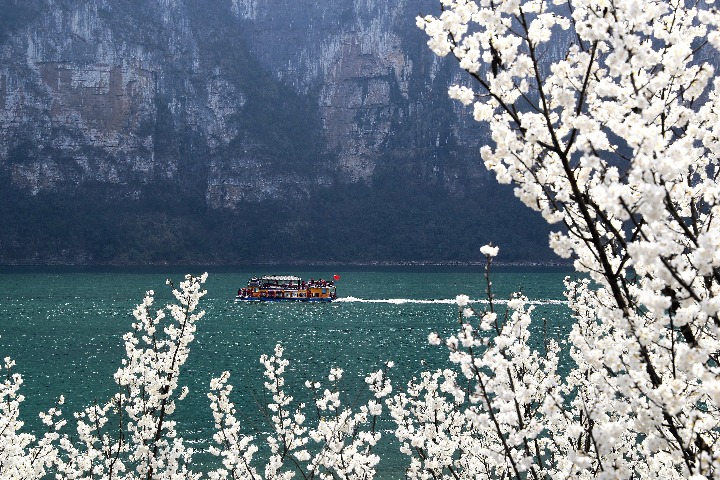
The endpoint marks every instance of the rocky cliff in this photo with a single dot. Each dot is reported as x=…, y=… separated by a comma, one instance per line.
x=237, y=131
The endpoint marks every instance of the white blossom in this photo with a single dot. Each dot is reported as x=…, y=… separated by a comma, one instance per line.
x=462, y=300
x=604, y=117
x=489, y=250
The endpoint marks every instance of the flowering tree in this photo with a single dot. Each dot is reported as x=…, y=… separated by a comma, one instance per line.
x=134, y=435
x=337, y=444
x=490, y=419
x=130, y=436
x=22, y=455
x=604, y=115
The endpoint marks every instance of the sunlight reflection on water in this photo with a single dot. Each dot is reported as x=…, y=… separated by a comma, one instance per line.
x=65, y=330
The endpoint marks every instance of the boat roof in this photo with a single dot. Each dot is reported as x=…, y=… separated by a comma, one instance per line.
x=281, y=278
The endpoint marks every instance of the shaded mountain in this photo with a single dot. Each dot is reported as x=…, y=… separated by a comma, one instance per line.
x=234, y=132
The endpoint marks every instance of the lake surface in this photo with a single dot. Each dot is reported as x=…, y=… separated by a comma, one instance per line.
x=64, y=329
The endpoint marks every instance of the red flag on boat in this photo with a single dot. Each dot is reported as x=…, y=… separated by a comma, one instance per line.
x=336, y=277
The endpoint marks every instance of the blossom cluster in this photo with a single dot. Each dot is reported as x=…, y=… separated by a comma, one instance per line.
x=488, y=417
x=338, y=444
x=604, y=116
x=130, y=436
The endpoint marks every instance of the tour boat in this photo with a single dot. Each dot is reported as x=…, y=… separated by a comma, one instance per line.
x=282, y=288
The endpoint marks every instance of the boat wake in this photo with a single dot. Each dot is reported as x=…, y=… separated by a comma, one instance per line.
x=447, y=301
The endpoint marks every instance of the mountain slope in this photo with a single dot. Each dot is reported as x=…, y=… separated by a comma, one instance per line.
x=209, y=131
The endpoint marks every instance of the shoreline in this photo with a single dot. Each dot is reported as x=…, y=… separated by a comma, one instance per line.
x=288, y=265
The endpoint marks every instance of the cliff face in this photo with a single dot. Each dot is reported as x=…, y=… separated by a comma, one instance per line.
x=262, y=116
x=381, y=94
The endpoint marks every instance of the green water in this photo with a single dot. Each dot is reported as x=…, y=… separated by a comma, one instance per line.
x=64, y=330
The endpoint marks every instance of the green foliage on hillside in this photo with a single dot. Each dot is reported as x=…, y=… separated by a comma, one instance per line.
x=390, y=222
